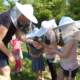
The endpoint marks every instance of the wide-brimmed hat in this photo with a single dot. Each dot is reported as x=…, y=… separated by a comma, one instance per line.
x=27, y=11
x=33, y=33
x=45, y=26
x=65, y=20
x=69, y=28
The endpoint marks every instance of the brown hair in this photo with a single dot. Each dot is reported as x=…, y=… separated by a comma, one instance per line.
x=60, y=41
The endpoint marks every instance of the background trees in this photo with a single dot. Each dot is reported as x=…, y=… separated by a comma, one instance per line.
x=74, y=9
x=49, y=9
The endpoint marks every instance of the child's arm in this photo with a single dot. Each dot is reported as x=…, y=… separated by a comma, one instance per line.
x=30, y=51
x=43, y=50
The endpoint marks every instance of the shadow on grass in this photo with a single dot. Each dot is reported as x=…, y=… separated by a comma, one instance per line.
x=27, y=73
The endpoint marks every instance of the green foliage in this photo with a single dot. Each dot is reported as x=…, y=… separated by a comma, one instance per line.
x=52, y=9
x=49, y=9
x=25, y=1
x=44, y=15
x=2, y=6
x=74, y=9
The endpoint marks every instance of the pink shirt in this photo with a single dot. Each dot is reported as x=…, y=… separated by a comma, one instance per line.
x=16, y=46
x=51, y=36
x=48, y=50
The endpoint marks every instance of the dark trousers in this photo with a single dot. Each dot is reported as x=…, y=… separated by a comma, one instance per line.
x=52, y=68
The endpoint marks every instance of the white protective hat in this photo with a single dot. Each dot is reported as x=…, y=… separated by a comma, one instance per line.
x=33, y=33
x=45, y=26
x=27, y=11
x=65, y=20
x=69, y=27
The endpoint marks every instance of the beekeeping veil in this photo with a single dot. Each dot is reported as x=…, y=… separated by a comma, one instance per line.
x=69, y=28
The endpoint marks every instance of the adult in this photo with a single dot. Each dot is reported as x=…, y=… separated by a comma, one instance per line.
x=13, y=22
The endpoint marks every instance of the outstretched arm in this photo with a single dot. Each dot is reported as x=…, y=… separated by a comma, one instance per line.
x=66, y=49
x=27, y=40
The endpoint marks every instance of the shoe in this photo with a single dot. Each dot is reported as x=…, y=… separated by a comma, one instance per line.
x=20, y=73
x=16, y=74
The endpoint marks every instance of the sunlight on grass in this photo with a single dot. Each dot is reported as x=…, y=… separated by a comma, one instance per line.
x=27, y=73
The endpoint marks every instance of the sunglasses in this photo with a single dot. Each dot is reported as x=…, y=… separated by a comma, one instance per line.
x=24, y=26
x=27, y=29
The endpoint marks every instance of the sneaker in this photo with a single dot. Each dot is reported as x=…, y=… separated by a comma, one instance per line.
x=16, y=74
x=20, y=73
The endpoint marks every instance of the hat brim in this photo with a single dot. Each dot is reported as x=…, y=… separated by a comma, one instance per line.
x=41, y=32
x=37, y=34
x=31, y=35
x=77, y=23
x=31, y=18
x=65, y=20
x=68, y=29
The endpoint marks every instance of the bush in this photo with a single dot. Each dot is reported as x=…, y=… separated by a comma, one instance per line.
x=44, y=15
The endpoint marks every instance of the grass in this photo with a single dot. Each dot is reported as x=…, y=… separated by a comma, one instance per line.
x=28, y=74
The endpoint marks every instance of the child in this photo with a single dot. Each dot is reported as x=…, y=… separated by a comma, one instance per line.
x=17, y=52
x=51, y=59
x=37, y=60
x=68, y=56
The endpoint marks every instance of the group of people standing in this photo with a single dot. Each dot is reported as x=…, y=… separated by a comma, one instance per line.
x=66, y=35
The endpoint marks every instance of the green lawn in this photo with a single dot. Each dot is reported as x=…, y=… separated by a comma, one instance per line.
x=27, y=73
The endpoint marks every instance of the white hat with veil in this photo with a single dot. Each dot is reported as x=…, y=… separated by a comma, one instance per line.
x=45, y=26
x=69, y=28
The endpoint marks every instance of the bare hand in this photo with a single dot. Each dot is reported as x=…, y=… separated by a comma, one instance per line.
x=37, y=45
x=11, y=58
x=53, y=51
x=38, y=55
x=35, y=56
x=45, y=45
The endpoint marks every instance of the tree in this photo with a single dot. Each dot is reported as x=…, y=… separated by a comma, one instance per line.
x=55, y=9
x=74, y=9
x=3, y=7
